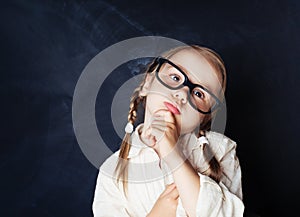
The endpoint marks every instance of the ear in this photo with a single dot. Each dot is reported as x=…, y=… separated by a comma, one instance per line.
x=147, y=85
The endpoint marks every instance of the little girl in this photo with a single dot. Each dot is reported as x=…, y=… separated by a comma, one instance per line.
x=172, y=164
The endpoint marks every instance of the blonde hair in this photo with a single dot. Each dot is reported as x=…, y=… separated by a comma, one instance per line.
x=214, y=170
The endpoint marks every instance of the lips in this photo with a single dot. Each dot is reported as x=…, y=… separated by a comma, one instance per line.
x=172, y=108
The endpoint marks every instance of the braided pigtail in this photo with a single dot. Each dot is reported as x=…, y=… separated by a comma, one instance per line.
x=121, y=170
x=214, y=170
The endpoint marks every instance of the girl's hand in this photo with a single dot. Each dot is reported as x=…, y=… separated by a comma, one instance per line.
x=166, y=204
x=163, y=133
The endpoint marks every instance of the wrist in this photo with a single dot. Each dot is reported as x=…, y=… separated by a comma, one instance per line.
x=174, y=159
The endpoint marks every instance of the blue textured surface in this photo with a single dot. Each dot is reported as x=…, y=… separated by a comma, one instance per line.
x=46, y=44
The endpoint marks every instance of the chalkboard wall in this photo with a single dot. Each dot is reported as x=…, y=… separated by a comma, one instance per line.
x=45, y=45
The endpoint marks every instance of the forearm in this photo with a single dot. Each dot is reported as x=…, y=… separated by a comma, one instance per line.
x=187, y=182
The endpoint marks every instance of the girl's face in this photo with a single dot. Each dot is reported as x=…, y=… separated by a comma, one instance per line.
x=160, y=98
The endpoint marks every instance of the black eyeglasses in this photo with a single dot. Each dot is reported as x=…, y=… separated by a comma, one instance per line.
x=173, y=77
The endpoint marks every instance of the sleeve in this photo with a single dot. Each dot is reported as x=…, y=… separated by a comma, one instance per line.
x=109, y=201
x=224, y=198
x=215, y=200
x=232, y=176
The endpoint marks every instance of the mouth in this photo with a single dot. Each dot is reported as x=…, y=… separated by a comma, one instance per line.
x=172, y=108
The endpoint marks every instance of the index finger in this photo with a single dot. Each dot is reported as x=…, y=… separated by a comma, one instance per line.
x=166, y=114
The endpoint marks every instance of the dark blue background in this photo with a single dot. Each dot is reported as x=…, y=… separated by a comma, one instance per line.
x=46, y=44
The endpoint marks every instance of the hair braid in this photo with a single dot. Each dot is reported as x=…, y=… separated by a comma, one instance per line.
x=214, y=171
x=122, y=165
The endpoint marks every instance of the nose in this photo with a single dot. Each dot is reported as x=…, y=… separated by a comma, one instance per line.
x=181, y=95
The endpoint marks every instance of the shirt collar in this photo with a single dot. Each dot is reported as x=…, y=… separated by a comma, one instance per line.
x=136, y=143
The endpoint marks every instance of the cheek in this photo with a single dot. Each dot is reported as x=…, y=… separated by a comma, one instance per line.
x=190, y=122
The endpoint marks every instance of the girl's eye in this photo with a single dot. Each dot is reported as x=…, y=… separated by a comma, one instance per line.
x=175, y=77
x=198, y=93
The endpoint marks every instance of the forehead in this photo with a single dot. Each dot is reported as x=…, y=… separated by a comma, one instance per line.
x=197, y=69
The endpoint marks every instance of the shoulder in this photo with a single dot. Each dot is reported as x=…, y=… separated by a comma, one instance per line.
x=219, y=143
x=108, y=166
x=216, y=137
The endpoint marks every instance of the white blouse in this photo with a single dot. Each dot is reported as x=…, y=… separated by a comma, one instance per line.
x=148, y=177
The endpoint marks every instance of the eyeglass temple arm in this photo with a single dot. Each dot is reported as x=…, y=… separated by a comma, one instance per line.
x=156, y=61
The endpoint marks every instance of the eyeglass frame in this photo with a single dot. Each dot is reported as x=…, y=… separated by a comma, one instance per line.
x=160, y=61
